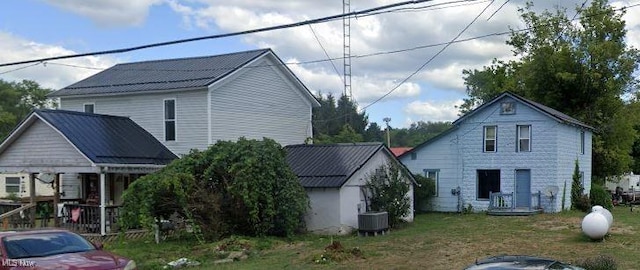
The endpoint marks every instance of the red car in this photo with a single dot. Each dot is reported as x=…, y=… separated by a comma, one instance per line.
x=56, y=249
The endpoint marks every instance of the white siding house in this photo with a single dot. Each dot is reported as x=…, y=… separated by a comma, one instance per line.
x=334, y=177
x=509, y=145
x=191, y=103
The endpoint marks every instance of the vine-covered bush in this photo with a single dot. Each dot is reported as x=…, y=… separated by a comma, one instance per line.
x=388, y=188
x=423, y=193
x=600, y=196
x=243, y=187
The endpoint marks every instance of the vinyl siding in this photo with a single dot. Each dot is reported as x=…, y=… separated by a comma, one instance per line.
x=569, y=151
x=324, y=215
x=260, y=102
x=42, y=189
x=52, y=150
x=148, y=112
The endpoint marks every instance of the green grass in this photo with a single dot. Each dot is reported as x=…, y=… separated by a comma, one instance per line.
x=432, y=241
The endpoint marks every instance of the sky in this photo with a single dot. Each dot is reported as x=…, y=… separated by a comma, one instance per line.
x=390, y=51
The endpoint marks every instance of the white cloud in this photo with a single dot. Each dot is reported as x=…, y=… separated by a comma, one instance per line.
x=432, y=110
x=109, y=12
x=51, y=74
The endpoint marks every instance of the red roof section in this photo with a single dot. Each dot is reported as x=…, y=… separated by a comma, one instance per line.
x=397, y=151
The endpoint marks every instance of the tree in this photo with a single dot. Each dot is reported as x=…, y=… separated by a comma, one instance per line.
x=582, y=69
x=374, y=133
x=388, y=188
x=579, y=200
x=243, y=187
x=18, y=99
x=330, y=119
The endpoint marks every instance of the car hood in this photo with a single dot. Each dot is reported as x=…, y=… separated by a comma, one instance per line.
x=95, y=260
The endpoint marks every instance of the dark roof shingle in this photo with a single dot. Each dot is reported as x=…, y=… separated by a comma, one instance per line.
x=328, y=166
x=107, y=139
x=168, y=74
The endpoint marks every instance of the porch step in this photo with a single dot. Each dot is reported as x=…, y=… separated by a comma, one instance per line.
x=514, y=212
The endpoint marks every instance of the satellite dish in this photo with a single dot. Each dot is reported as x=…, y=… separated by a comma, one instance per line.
x=46, y=177
x=551, y=191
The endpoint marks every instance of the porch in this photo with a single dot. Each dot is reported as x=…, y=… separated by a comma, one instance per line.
x=504, y=204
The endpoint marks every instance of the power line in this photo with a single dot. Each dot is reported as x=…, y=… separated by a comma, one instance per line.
x=252, y=31
x=430, y=59
x=16, y=69
x=325, y=51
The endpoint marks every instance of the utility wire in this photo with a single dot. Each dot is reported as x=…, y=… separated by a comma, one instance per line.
x=499, y=8
x=258, y=30
x=16, y=69
x=430, y=59
x=326, y=53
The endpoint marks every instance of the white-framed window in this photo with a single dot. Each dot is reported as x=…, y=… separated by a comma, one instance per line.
x=12, y=184
x=582, y=142
x=490, y=135
x=89, y=107
x=169, y=119
x=524, y=138
x=434, y=175
x=507, y=108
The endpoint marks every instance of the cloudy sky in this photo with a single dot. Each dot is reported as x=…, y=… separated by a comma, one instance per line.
x=386, y=48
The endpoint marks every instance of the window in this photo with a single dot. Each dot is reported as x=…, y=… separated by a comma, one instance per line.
x=12, y=185
x=507, y=108
x=433, y=174
x=488, y=181
x=490, y=138
x=170, y=120
x=414, y=156
x=89, y=107
x=582, y=180
x=582, y=142
x=524, y=139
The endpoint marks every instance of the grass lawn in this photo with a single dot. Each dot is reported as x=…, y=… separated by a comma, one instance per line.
x=433, y=241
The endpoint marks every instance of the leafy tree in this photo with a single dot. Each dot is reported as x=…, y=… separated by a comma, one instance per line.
x=374, y=133
x=243, y=187
x=582, y=69
x=330, y=118
x=388, y=188
x=18, y=99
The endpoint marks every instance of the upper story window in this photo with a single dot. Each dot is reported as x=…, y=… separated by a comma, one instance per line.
x=433, y=175
x=169, y=119
x=507, y=108
x=89, y=107
x=524, y=138
x=490, y=133
x=414, y=156
x=582, y=142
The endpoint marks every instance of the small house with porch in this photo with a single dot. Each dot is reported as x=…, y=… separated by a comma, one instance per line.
x=105, y=152
x=509, y=156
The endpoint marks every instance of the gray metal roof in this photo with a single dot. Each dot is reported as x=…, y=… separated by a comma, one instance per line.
x=106, y=139
x=330, y=165
x=169, y=74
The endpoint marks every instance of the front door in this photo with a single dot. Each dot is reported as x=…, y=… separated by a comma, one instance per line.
x=523, y=188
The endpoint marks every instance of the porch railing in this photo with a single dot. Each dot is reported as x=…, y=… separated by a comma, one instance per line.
x=506, y=201
x=16, y=216
x=85, y=218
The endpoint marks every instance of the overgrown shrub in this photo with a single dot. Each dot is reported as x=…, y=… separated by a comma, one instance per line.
x=583, y=204
x=600, y=196
x=423, y=193
x=243, y=188
x=388, y=188
x=602, y=262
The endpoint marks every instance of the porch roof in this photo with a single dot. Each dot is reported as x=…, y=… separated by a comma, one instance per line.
x=85, y=139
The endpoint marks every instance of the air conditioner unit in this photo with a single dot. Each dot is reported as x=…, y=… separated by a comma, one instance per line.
x=373, y=221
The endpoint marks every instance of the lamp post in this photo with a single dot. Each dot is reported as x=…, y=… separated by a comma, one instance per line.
x=387, y=120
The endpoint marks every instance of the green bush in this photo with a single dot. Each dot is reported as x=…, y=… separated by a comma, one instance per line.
x=423, y=193
x=583, y=204
x=602, y=262
x=244, y=188
x=600, y=196
x=388, y=188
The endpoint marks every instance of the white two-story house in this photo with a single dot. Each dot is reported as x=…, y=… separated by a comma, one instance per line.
x=521, y=150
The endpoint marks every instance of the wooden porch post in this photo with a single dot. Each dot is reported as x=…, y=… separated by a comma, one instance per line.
x=103, y=212
x=56, y=200
x=32, y=198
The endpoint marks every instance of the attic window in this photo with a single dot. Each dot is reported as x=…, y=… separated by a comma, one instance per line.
x=507, y=108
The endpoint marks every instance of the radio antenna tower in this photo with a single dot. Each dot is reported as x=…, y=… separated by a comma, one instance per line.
x=346, y=48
